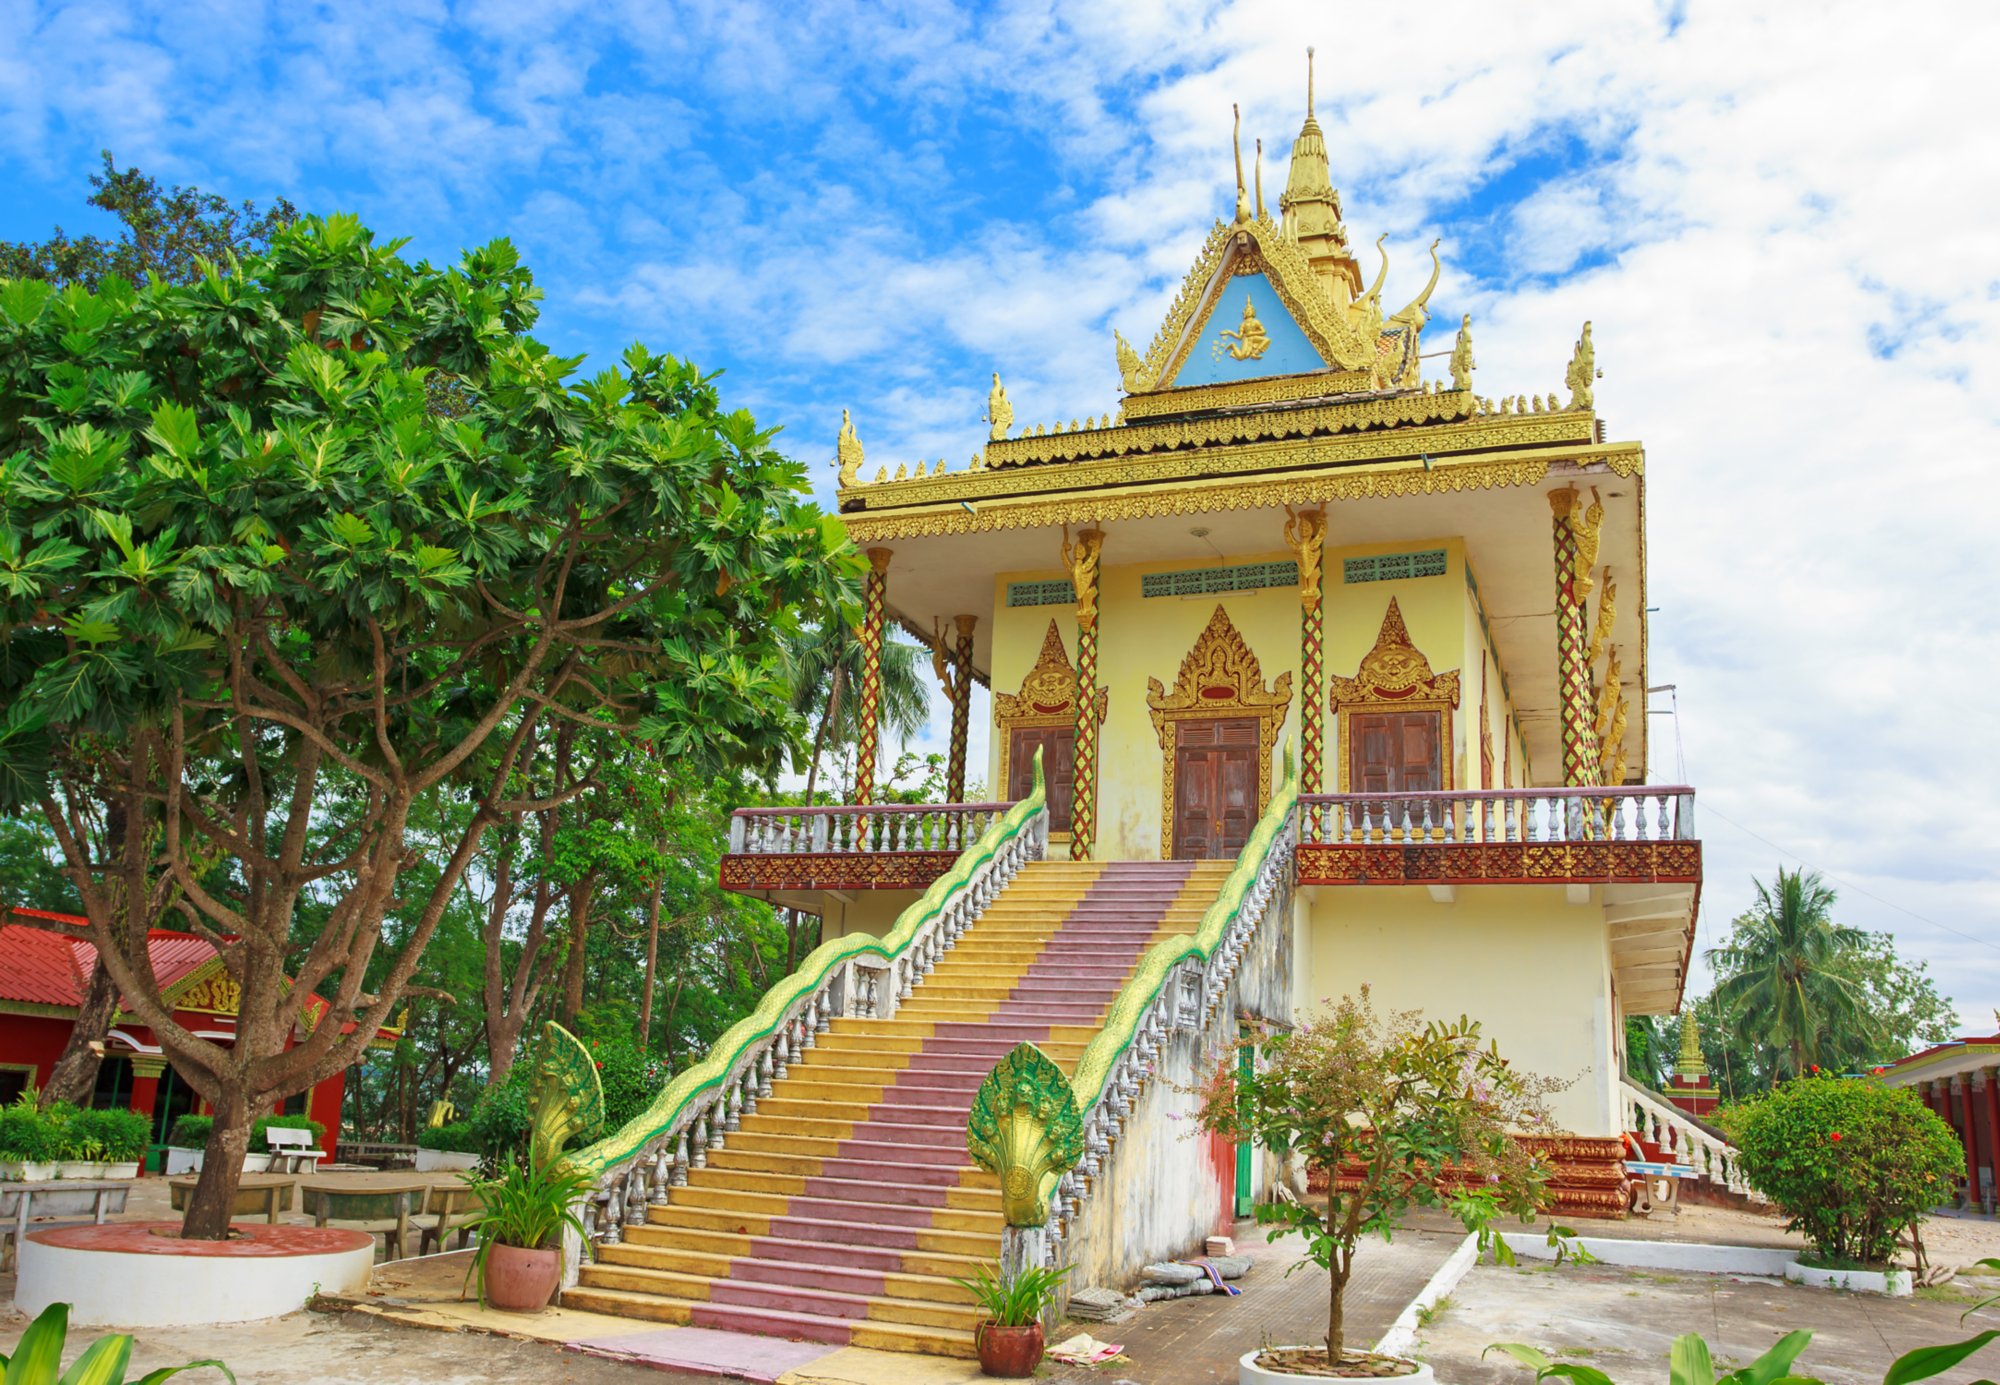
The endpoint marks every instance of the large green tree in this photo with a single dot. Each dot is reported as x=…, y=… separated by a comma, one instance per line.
x=327, y=527
x=165, y=235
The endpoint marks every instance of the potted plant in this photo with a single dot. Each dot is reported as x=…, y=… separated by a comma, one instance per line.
x=1392, y=1113
x=1010, y=1335
x=522, y=1215
x=30, y=1142
x=37, y=1358
x=187, y=1143
x=447, y=1147
x=118, y=1135
x=1852, y=1164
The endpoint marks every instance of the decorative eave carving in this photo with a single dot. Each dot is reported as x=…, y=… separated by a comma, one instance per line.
x=1394, y=671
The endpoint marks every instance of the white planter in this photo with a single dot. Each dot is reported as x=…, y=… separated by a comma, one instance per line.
x=437, y=1160
x=124, y=1168
x=1894, y=1283
x=80, y=1168
x=256, y=1163
x=184, y=1160
x=27, y=1171
x=1248, y=1372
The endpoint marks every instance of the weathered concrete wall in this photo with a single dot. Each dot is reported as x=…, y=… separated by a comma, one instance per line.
x=1167, y=1187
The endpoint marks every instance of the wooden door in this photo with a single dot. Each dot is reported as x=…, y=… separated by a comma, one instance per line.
x=1395, y=752
x=1215, y=787
x=1058, y=747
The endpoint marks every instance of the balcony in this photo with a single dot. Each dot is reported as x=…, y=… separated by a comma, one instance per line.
x=1635, y=834
x=891, y=846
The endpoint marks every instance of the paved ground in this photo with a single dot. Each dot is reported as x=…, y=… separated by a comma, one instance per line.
x=1623, y=1321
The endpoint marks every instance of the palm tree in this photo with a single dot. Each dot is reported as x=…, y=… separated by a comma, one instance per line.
x=1785, y=978
x=826, y=678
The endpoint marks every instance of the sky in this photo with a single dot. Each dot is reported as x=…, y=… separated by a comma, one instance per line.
x=1777, y=216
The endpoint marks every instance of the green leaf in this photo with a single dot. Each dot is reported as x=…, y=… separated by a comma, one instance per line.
x=103, y=1363
x=154, y=1377
x=38, y=1355
x=1689, y=1363
x=1773, y=1364
x=1921, y=1364
x=175, y=431
x=1522, y=1352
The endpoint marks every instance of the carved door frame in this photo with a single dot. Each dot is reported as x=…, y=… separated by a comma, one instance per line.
x=1394, y=676
x=1047, y=699
x=1219, y=678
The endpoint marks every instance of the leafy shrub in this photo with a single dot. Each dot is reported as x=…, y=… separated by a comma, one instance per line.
x=501, y=1118
x=27, y=1134
x=1691, y=1363
x=631, y=1079
x=37, y=1358
x=258, y=1145
x=457, y=1137
x=1851, y=1163
x=118, y=1134
x=191, y=1132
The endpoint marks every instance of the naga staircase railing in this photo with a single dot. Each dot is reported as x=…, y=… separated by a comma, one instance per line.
x=1177, y=986
x=863, y=975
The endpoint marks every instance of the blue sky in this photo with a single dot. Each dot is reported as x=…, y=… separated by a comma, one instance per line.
x=1777, y=218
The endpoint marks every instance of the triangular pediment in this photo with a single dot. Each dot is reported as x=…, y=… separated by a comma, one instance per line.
x=1292, y=327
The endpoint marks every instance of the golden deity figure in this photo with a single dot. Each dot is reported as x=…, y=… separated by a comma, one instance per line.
x=1081, y=560
x=1251, y=339
x=847, y=452
x=1305, y=535
x=1582, y=372
x=1462, y=364
x=999, y=413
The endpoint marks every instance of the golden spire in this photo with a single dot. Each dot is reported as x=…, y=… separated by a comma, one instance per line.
x=1236, y=142
x=1692, y=1065
x=1310, y=207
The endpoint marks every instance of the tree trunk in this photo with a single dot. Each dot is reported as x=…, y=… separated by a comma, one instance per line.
x=1336, y=1328
x=581, y=896
x=214, y=1196
x=652, y=961
x=74, y=1077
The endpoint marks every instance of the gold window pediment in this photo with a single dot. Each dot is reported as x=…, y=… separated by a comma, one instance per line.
x=1047, y=698
x=1393, y=676
x=1220, y=677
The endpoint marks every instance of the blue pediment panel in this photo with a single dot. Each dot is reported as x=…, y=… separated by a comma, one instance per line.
x=1246, y=335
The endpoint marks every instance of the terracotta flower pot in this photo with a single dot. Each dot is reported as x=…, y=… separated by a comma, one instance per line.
x=1009, y=1352
x=521, y=1281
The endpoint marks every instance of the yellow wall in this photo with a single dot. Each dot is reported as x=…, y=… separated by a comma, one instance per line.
x=1147, y=637
x=1533, y=968
x=863, y=911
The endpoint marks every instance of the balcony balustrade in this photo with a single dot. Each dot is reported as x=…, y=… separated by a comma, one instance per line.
x=850, y=846
x=1635, y=813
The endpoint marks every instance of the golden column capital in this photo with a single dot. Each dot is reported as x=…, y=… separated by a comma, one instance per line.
x=1563, y=501
x=879, y=558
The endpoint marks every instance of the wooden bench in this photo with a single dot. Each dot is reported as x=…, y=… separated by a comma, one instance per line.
x=451, y=1207
x=376, y=1155
x=383, y=1210
x=20, y=1203
x=292, y=1149
x=265, y=1194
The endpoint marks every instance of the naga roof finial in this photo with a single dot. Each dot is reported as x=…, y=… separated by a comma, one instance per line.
x=1415, y=313
x=1375, y=289
x=1260, y=180
x=1236, y=142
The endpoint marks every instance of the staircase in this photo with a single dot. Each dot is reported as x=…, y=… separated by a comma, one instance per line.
x=845, y=1206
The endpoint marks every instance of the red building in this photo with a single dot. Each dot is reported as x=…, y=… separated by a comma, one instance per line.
x=1960, y=1081
x=43, y=979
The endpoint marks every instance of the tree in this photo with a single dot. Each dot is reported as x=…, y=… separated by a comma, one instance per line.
x=826, y=669
x=1907, y=1012
x=165, y=236
x=1785, y=978
x=254, y=565
x=1401, y=1111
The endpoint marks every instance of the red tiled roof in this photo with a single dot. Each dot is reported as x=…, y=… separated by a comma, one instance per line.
x=39, y=968
x=1963, y=1041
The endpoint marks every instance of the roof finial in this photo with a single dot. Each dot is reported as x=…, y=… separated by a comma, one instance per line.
x=1236, y=142
x=1309, y=82
x=1260, y=180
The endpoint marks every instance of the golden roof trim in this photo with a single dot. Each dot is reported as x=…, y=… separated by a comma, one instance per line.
x=1223, y=446
x=1210, y=497
x=1266, y=389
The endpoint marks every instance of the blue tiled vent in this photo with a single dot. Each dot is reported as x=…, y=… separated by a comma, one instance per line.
x=1041, y=593
x=1388, y=567
x=1208, y=581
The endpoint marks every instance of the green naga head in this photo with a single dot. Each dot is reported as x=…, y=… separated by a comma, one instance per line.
x=1025, y=1127
x=568, y=1098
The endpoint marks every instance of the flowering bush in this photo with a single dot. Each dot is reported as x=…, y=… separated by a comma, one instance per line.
x=1395, y=1112
x=1851, y=1162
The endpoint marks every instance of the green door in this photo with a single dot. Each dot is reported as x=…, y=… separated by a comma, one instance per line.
x=1245, y=1151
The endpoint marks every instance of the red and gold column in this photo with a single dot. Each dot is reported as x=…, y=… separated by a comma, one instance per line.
x=872, y=614
x=1306, y=533
x=954, y=673
x=1573, y=690
x=1081, y=559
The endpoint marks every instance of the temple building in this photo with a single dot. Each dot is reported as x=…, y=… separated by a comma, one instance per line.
x=44, y=977
x=1334, y=661
x=1960, y=1081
